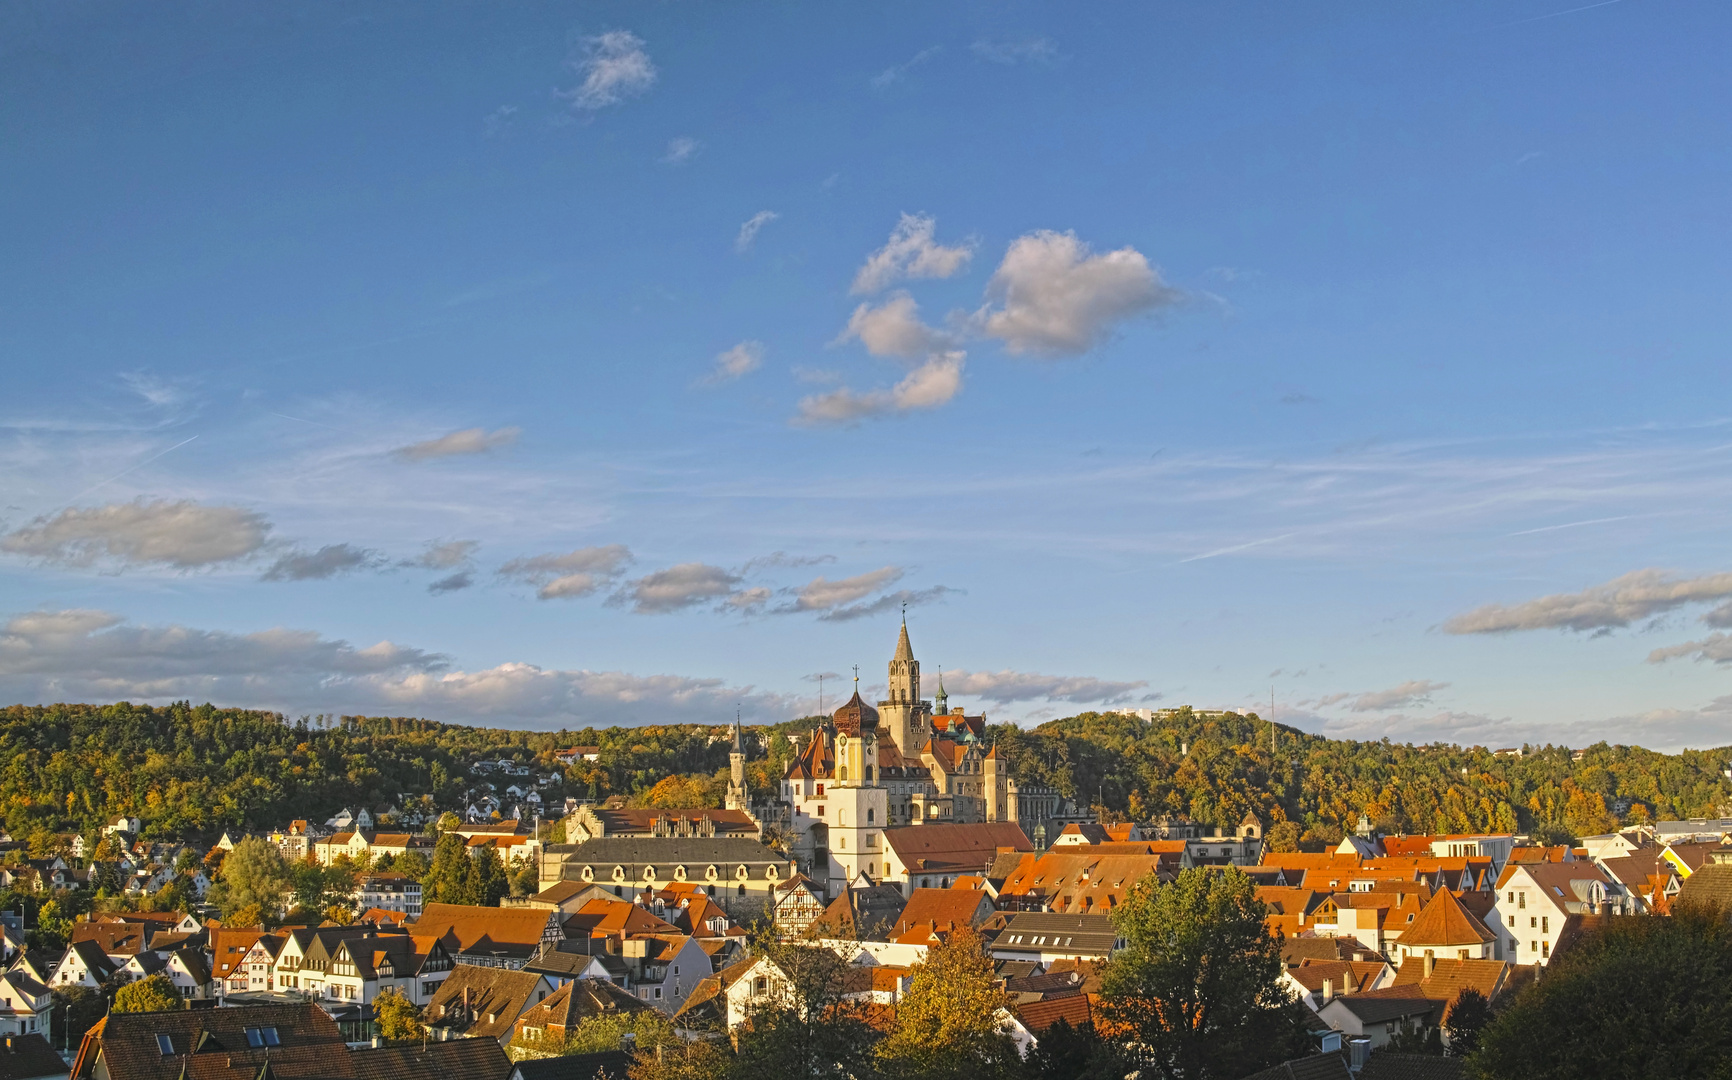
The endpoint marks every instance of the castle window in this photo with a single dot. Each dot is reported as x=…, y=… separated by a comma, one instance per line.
x=870, y=813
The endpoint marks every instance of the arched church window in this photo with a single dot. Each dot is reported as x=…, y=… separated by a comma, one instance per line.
x=843, y=773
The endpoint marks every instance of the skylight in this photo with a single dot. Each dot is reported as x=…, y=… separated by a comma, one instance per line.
x=164, y=1044
x=262, y=1036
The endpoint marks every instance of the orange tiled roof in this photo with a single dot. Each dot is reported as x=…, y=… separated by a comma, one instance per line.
x=1445, y=924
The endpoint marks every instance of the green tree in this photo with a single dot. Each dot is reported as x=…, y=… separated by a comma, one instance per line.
x=76, y=1010
x=53, y=928
x=704, y=1059
x=1467, y=1017
x=1196, y=993
x=446, y=880
x=486, y=883
x=253, y=873
x=948, y=1024
x=1079, y=1053
x=397, y=1016
x=1645, y=997
x=153, y=994
x=804, y=1026
x=525, y=878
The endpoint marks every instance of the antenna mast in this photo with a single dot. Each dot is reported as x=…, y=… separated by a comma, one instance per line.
x=1271, y=722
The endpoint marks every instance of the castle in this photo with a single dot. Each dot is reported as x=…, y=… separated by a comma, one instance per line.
x=902, y=763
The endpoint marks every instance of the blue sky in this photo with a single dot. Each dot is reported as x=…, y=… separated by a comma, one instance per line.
x=553, y=364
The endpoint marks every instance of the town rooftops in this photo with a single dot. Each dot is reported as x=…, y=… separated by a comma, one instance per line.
x=1444, y=923
x=954, y=849
x=483, y=1002
x=299, y=1041
x=1046, y=931
x=26, y=1057
x=500, y=931
x=457, y=1059
x=695, y=853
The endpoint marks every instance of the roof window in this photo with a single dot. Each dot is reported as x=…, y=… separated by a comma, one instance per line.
x=262, y=1036
x=165, y=1044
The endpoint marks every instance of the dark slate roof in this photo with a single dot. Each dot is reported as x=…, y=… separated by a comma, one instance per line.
x=1083, y=933
x=1316, y=1067
x=24, y=1057
x=609, y=1064
x=1385, y=1066
x=459, y=1059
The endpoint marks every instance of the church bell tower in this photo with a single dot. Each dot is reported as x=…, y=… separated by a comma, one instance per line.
x=906, y=719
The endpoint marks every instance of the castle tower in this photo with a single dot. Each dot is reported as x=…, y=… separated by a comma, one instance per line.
x=738, y=797
x=993, y=785
x=861, y=806
x=907, y=720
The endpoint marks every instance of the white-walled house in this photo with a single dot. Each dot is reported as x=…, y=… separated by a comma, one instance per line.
x=85, y=964
x=25, y=1005
x=1534, y=900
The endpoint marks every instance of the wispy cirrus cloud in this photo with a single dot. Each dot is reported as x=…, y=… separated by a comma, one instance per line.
x=897, y=72
x=1008, y=686
x=749, y=230
x=678, y=588
x=736, y=362
x=467, y=441
x=887, y=603
x=681, y=150
x=1037, y=50
x=614, y=66
x=1406, y=695
x=178, y=534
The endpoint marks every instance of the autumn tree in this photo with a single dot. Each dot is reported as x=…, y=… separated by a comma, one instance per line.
x=648, y=1028
x=397, y=1016
x=253, y=873
x=703, y=1059
x=153, y=994
x=804, y=1025
x=1079, y=1053
x=950, y=1024
x=1196, y=992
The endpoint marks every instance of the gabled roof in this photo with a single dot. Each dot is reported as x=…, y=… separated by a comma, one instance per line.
x=1445, y=924
x=25, y=1057
x=954, y=849
x=1449, y=978
x=862, y=913
x=495, y=998
x=614, y=918
x=942, y=909
x=483, y=928
x=1037, y=1016
x=309, y=1045
x=579, y=1000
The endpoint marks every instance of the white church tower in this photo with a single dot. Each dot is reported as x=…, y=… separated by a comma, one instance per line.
x=859, y=803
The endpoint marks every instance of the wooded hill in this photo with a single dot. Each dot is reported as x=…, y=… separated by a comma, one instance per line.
x=191, y=771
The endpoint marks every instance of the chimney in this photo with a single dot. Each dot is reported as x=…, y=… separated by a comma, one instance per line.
x=1328, y=991
x=1430, y=963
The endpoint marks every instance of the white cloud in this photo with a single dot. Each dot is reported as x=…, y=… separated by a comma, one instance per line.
x=1056, y=299
x=572, y=574
x=900, y=71
x=182, y=535
x=1027, y=51
x=1413, y=692
x=468, y=441
x=328, y=561
x=681, y=150
x=893, y=328
x=741, y=360
x=1009, y=686
x=96, y=656
x=1619, y=602
x=822, y=594
x=926, y=387
x=749, y=231
x=911, y=252
x=498, y=122
x=614, y=66
x=678, y=588
x=1716, y=647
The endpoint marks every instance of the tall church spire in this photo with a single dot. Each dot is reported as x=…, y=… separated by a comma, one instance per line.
x=904, y=651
